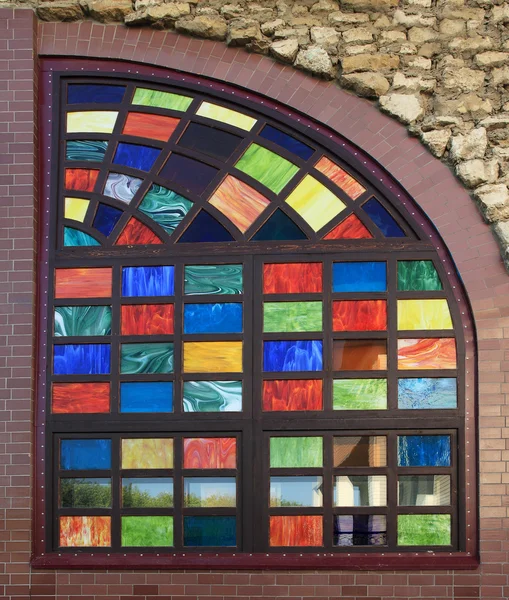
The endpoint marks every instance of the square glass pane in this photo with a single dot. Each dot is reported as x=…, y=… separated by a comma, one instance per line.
x=147, y=492
x=210, y=492
x=360, y=451
x=360, y=490
x=85, y=493
x=296, y=491
x=424, y=490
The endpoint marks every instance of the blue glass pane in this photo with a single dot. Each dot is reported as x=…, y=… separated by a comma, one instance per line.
x=424, y=451
x=286, y=141
x=359, y=277
x=427, y=392
x=382, y=219
x=75, y=237
x=135, y=156
x=209, y=140
x=77, y=455
x=305, y=355
x=148, y=281
x=279, y=227
x=205, y=228
x=84, y=93
x=106, y=218
x=213, y=318
x=146, y=397
x=191, y=174
x=210, y=531
x=87, y=150
x=81, y=359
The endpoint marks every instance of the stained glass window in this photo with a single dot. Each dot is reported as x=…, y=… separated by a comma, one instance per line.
x=211, y=257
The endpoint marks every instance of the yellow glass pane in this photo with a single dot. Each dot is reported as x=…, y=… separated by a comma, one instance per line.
x=92, y=121
x=76, y=208
x=314, y=202
x=424, y=314
x=213, y=357
x=226, y=115
x=147, y=453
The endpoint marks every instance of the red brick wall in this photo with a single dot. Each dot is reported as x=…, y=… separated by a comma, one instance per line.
x=431, y=184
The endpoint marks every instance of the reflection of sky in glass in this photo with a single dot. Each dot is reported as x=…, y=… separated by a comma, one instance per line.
x=205, y=488
x=150, y=485
x=296, y=491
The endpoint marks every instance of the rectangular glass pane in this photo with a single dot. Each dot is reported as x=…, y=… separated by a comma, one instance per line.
x=146, y=397
x=296, y=491
x=213, y=279
x=148, y=281
x=147, y=492
x=295, y=355
x=424, y=490
x=90, y=532
x=359, y=277
x=427, y=392
x=212, y=396
x=359, y=394
x=210, y=453
x=296, y=530
x=81, y=359
x=83, y=283
x=424, y=314
x=146, y=358
x=360, y=451
x=85, y=454
x=213, y=318
x=147, y=531
x=360, y=490
x=424, y=530
x=424, y=451
x=292, y=316
x=418, y=275
x=85, y=493
x=360, y=530
x=292, y=278
x=359, y=315
x=68, y=398
x=92, y=121
x=147, y=453
x=147, y=319
x=82, y=320
x=213, y=357
x=427, y=353
x=359, y=355
x=294, y=452
x=292, y=394
x=210, y=531
x=210, y=492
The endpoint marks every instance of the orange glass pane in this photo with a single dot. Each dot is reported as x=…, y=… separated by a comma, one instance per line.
x=81, y=179
x=289, y=394
x=147, y=319
x=349, y=229
x=340, y=177
x=427, y=353
x=83, y=283
x=155, y=127
x=359, y=355
x=210, y=453
x=80, y=398
x=359, y=315
x=137, y=233
x=292, y=278
x=298, y=530
x=85, y=531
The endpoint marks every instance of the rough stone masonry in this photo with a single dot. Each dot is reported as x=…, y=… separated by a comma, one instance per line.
x=439, y=66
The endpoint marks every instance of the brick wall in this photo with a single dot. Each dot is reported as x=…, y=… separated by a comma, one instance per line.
x=432, y=185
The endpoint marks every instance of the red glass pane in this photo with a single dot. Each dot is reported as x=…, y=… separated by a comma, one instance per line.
x=81, y=179
x=83, y=283
x=85, y=531
x=210, y=453
x=427, y=353
x=340, y=177
x=289, y=394
x=298, y=530
x=147, y=319
x=80, y=398
x=136, y=233
x=155, y=127
x=359, y=315
x=292, y=278
x=349, y=229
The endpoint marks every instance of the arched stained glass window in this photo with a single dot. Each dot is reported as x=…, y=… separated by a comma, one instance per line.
x=256, y=346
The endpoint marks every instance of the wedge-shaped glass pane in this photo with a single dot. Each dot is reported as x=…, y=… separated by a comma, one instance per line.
x=226, y=115
x=424, y=490
x=82, y=320
x=80, y=531
x=86, y=150
x=279, y=227
x=87, y=93
x=292, y=316
x=165, y=207
x=296, y=452
x=424, y=314
x=212, y=279
x=359, y=277
x=106, y=218
x=122, y=187
x=341, y=178
x=193, y=175
x=360, y=451
x=383, y=219
x=424, y=530
x=297, y=355
x=296, y=530
x=76, y=209
x=146, y=397
x=213, y=318
x=267, y=167
x=287, y=142
x=360, y=490
x=147, y=281
x=296, y=491
x=136, y=156
x=85, y=493
x=205, y=228
x=427, y=392
x=350, y=228
x=212, y=396
x=81, y=359
x=417, y=275
x=93, y=121
x=146, y=358
x=148, y=125
x=147, y=453
x=147, y=492
x=359, y=394
x=147, y=531
x=210, y=531
x=359, y=355
x=360, y=530
x=75, y=237
x=82, y=180
x=424, y=451
x=209, y=140
x=209, y=492
x=157, y=99
x=136, y=233
x=85, y=454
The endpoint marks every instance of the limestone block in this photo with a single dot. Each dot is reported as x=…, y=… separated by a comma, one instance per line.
x=436, y=141
x=500, y=14
x=301, y=34
x=324, y=7
x=370, y=85
x=214, y=28
x=358, y=35
x=364, y=49
x=493, y=201
x=462, y=12
x=430, y=49
x=60, y=11
x=477, y=171
x=474, y=105
x=370, y=62
x=231, y=11
x=341, y=18
x=370, y=5
x=452, y=27
x=464, y=79
x=162, y=14
x=501, y=76
x=106, y=11
x=285, y=50
x=412, y=20
x=421, y=35
x=406, y=108
x=469, y=47
x=412, y=84
x=315, y=60
x=389, y=37
x=501, y=121
x=327, y=37
x=469, y=146
x=492, y=59
x=242, y=31
x=420, y=63
x=269, y=27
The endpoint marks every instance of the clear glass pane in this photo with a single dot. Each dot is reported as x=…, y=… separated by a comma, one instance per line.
x=207, y=492
x=360, y=451
x=424, y=490
x=85, y=493
x=360, y=490
x=296, y=491
x=141, y=492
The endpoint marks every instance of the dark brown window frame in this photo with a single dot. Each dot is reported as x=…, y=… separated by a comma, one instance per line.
x=466, y=556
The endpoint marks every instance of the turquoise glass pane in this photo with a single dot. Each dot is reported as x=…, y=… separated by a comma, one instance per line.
x=298, y=355
x=75, y=237
x=382, y=219
x=86, y=150
x=205, y=228
x=424, y=451
x=146, y=397
x=359, y=277
x=81, y=359
x=213, y=318
x=106, y=218
x=279, y=227
x=427, y=392
x=213, y=279
x=136, y=156
x=165, y=207
x=148, y=281
x=146, y=358
x=210, y=531
x=82, y=320
x=85, y=454
x=85, y=493
x=212, y=396
x=79, y=93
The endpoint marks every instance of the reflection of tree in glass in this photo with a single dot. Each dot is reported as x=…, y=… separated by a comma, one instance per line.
x=85, y=493
x=213, y=501
x=133, y=497
x=277, y=501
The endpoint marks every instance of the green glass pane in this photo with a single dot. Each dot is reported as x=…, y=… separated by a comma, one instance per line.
x=82, y=320
x=165, y=207
x=85, y=493
x=415, y=275
x=360, y=394
x=213, y=279
x=147, y=531
x=424, y=530
x=289, y=452
x=212, y=396
x=146, y=97
x=75, y=237
x=267, y=167
x=292, y=316
x=146, y=358
x=144, y=492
